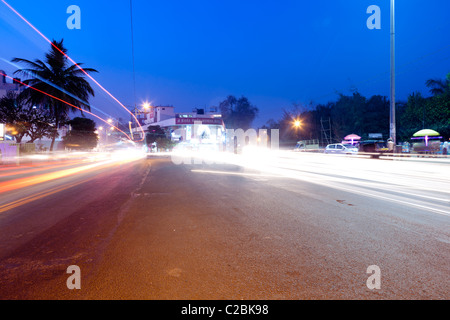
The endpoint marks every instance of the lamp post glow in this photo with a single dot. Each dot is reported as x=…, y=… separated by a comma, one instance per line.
x=297, y=123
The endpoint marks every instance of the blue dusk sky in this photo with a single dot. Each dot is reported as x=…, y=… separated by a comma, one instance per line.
x=195, y=53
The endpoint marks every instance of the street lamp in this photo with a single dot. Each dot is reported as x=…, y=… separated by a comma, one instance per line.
x=137, y=112
x=296, y=124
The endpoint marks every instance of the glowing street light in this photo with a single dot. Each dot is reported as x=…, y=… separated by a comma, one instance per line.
x=296, y=123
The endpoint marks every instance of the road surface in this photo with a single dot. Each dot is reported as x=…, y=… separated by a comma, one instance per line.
x=292, y=226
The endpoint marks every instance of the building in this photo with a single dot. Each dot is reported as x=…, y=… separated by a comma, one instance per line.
x=6, y=87
x=197, y=126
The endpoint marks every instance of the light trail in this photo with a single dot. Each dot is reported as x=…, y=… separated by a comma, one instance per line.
x=76, y=64
x=57, y=87
x=40, y=168
x=243, y=174
x=69, y=104
x=30, y=181
x=421, y=185
x=380, y=172
x=37, y=196
x=20, y=183
x=23, y=166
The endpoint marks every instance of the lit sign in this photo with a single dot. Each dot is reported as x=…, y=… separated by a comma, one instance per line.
x=210, y=121
x=2, y=131
x=375, y=136
x=151, y=115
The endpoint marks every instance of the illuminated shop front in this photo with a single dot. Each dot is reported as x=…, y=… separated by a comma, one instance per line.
x=198, y=130
x=195, y=127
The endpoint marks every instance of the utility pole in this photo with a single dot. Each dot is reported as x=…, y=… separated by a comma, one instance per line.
x=392, y=131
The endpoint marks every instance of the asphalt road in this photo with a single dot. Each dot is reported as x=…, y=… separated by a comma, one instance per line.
x=291, y=227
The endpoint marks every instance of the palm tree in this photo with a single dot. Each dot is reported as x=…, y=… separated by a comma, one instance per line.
x=55, y=76
x=439, y=86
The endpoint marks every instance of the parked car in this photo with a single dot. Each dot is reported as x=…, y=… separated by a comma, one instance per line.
x=339, y=148
x=307, y=145
x=300, y=147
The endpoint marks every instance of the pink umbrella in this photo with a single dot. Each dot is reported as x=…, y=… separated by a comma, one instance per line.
x=352, y=137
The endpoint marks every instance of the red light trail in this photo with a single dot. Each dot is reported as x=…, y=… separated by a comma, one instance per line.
x=92, y=114
x=70, y=59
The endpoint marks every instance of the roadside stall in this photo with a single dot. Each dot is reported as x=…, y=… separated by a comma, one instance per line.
x=352, y=139
x=426, y=141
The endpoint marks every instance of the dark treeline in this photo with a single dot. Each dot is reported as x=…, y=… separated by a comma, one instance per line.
x=362, y=116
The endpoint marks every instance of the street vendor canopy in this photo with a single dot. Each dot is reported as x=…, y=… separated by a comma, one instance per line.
x=352, y=137
x=426, y=133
